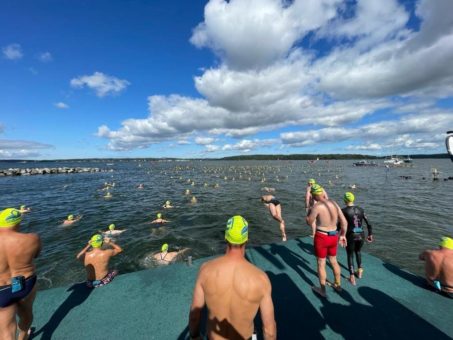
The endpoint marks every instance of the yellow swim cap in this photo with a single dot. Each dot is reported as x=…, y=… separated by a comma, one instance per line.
x=159, y=215
x=22, y=207
x=10, y=217
x=446, y=242
x=316, y=189
x=311, y=181
x=349, y=197
x=164, y=247
x=96, y=241
x=112, y=227
x=167, y=203
x=237, y=230
x=70, y=217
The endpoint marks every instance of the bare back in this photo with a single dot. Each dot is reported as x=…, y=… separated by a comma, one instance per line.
x=234, y=289
x=439, y=266
x=96, y=263
x=17, y=251
x=327, y=214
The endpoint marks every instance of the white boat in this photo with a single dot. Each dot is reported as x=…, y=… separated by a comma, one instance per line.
x=394, y=161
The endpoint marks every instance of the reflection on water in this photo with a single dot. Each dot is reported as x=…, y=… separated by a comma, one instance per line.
x=408, y=213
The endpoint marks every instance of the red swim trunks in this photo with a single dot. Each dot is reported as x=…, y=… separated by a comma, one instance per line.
x=325, y=245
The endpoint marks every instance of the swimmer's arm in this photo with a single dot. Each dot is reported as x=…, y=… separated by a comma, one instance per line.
x=267, y=313
x=424, y=255
x=325, y=194
x=307, y=199
x=82, y=252
x=38, y=251
x=313, y=213
x=198, y=303
x=116, y=248
x=368, y=225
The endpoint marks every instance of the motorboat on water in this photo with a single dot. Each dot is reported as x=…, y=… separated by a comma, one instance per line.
x=365, y=163
x=394, y=161
x=408, y=160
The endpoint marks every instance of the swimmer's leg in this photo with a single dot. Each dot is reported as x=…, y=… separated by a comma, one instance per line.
x=358, y=255
x=350, y=253
x=25, y=313
x=8, y=324
x=276, y=212
x=336, y=272
x=321, y=290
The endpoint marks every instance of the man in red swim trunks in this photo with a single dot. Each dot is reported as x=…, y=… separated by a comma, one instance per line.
x=326, y=213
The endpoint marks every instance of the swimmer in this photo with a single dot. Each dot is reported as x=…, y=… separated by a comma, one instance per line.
x=112, y=231
x=140, y=186
x=355, y=234
x=24, y=209
x=353, y=186
x=327, y=215
x=167, y=205
x=268, y=189
x=193, y=200
x=17, y=276
x=71, y=219
x=159, y=219
x=108, y=195
x=187, y=192
x=96, y=261
x=439, y=267
x=275, y=210
x=309, y=202
x=165, y=257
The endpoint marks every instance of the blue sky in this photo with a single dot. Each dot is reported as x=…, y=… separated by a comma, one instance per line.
x=216, y=78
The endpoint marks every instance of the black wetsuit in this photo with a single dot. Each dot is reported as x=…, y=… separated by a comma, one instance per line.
x=355, y=234
x=273, y=201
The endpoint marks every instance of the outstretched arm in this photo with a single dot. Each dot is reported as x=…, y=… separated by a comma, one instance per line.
x=198, y=303
x=267, y=313
x=116, y=248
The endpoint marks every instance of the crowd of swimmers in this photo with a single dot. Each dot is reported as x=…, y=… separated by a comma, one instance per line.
x=232, y=289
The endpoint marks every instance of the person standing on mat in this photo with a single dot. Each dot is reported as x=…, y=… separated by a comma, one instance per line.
x=17, y=275
x=355, y=235
x=326, y=214
x=233, y=290
x=309, y=202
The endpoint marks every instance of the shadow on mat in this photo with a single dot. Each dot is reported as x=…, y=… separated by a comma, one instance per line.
x=386, y=318
x=295, y=316
x=272, y=259
x=414, y=279
x=79, y=293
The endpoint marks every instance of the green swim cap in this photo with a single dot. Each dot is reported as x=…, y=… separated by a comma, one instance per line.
x=22, y=207
x=96, y=241
x=237, y=230
x=159, y=215
x=167, y=203
x=70, y=217
x=164, y=247
x=316, y=189
x=311, y=181
x=446, y=242
x=112, y=227
x=10, y=217
x=349, y=197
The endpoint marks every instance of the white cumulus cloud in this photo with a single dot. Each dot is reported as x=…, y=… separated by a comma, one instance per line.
x=61, y=105
x=12, y=52
x=101, y=83
x=45, y=57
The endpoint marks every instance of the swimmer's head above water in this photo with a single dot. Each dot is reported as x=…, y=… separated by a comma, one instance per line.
x=10, y=217
x=112, y=227
x=164, y=247
x=349, y=197
x=96, y=241
x=159, y=215
x=70, y=217
x=311, y=181
x=446, y=242
x=237, y=230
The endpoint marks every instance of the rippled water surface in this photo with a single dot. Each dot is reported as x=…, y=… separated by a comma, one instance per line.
x=408, y=215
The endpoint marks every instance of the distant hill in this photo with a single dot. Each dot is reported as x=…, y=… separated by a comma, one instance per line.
x=325, y=157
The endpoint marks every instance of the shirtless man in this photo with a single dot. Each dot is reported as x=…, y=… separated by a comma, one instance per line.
x=439, y=267
x=71, y=219
x=96, y=261
x=309, y=202
x=165, y=257
x=326, y=213
x=17, y=275
x=159, y=219
x=233, y=289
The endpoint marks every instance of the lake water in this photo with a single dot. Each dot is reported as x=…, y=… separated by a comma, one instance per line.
x=408, y=215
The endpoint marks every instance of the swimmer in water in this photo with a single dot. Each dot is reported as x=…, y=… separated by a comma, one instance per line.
x=193, y=200
x=71, y=219
x=140, y=186
x=24, y=209
x=112, y=232
x=167, y=205
x=108, y=195
x=159, y=219
x=355, y=234
x=165, y=257
x=275, y=210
